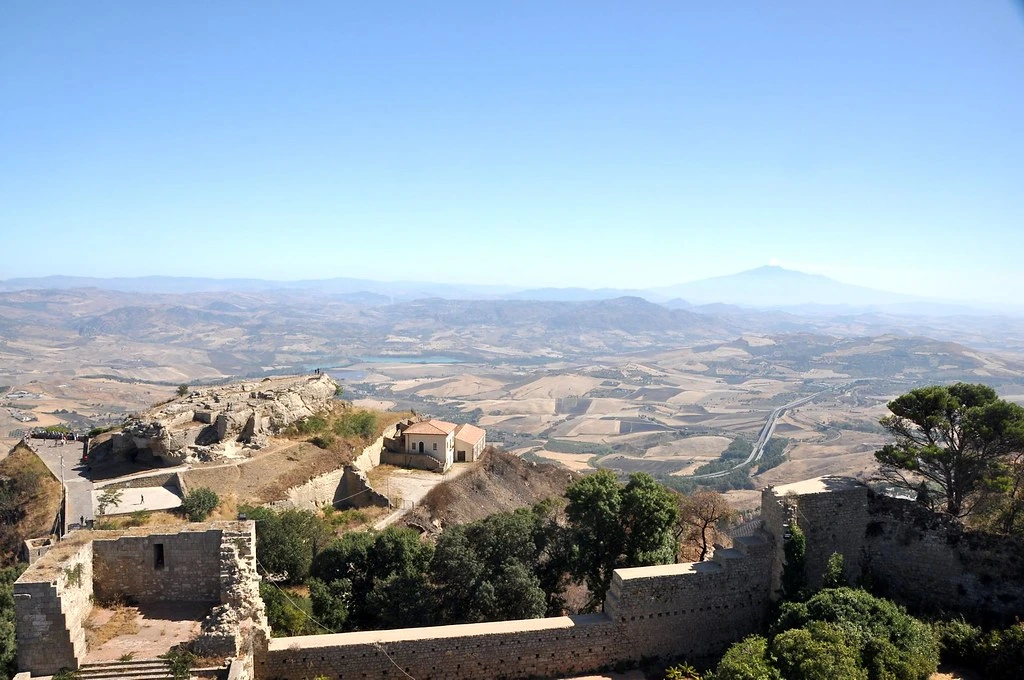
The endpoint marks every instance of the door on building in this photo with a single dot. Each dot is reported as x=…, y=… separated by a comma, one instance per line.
x=460, y=457
x=421, y=447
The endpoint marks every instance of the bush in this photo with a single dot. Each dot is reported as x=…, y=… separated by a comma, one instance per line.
x=356, y=424
x=311, y=425
x=199, y=503
x=960, y=642
x=821, y=651
x=323, y=441
x=891, y=643
x=1005, y=653
x=747, y=660
x=182, y=390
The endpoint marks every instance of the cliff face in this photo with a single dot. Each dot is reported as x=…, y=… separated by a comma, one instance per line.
x=213, y=422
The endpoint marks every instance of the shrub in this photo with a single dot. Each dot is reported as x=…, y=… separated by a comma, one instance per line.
x=323, y=441
x=821, y=651
x=182, y=390
x=199, y=503
x=311, y=425
x=960, y=642
x=747, y=660
x=877, y=625
x=1005, y=653
x=356, y=424
x=833, y=576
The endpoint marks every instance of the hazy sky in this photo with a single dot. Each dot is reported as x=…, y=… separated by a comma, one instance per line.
x=626, y=144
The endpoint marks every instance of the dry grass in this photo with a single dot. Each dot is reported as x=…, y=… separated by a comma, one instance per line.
x=122, y=620
x=37, y=501
x=145, y=518
x=227, y=509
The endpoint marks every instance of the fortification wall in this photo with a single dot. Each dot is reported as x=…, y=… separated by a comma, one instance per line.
x=347, y=486
x=181, y=565
x=52, y=601
x=919, y=558
x=832, y=513
x=930, y=563
x=691, y=610
x=534, y=648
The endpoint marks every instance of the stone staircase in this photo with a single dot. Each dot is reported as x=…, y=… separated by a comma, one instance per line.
x=143, y=669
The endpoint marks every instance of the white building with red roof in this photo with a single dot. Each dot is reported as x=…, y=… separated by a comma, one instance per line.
x=435, y=438
x=446, y=442
x=470, y=441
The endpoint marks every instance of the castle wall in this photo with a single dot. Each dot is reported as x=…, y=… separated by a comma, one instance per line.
x=929, y=563
x=832, y=513
x=507, y=649
x=129, y=568
x=52, y=601
x=691, y=610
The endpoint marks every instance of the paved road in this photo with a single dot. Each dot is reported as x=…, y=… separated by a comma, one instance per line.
x=76, y=481
x=766, y=434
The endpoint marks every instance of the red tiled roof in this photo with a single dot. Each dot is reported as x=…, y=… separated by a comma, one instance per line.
x=431, y=427
x=469, y=433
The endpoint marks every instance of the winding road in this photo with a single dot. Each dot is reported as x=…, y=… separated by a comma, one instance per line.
x=766, y=433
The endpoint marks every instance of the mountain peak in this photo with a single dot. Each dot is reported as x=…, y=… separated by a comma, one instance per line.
x=775, y=286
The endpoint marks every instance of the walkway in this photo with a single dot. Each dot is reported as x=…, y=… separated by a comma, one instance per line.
x=65, y=462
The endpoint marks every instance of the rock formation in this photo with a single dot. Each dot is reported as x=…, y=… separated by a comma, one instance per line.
x=200, y=425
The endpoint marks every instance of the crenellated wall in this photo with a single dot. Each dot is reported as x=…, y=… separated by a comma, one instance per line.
x=691, y=610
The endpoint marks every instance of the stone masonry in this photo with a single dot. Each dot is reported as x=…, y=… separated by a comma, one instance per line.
x=692, y=611
x=212, y=563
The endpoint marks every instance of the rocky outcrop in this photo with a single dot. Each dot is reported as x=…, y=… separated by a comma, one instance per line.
x=199, y=425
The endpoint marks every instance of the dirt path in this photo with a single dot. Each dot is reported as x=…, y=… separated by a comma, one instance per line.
x=410, y=485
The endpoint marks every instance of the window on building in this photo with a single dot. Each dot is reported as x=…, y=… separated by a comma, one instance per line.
x=435, y=446
x=158, y=555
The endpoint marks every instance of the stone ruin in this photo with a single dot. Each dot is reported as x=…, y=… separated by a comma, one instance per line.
x=202, y=425
x=211, y=564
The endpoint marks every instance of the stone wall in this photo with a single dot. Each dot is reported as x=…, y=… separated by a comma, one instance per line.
x=930, y=564
x=347, y=487
x=921, y=559
x=129, y=567
x=832, y=513
x=52, y=600
x=419, y=461
x=691, y=610
x=213, y=563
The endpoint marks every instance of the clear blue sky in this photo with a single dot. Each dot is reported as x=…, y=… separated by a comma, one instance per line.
x=627, y=144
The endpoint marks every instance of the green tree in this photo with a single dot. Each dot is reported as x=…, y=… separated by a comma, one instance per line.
x=611, y=526
x=821, y=651
x=834, y=576
x=287, y=541
x=890, y=642
x=288, y=615
x=199, y=503
x=108, y=499
x=957, y=438
x=182, y=389
x=330, y=602
x=647, y=517
x=593, y=514
x=747, y=660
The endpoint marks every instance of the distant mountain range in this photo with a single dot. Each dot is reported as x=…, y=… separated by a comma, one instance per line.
x=767, y=287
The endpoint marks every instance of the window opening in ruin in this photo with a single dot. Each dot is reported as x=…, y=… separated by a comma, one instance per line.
x=158, y=555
